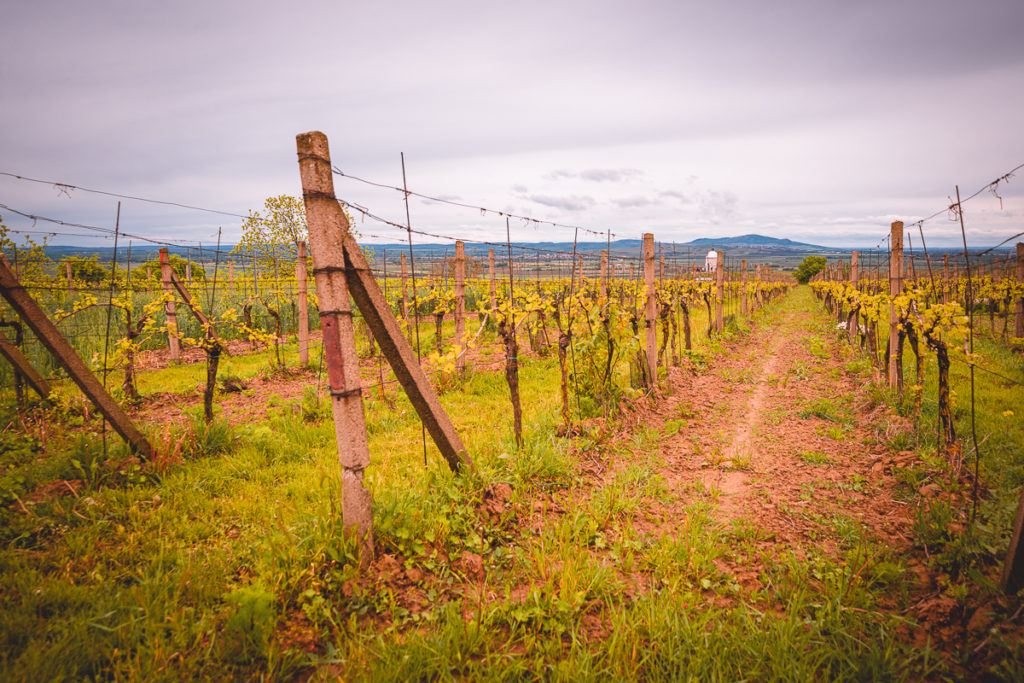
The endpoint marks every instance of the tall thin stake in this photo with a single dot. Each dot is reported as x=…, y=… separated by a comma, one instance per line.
x=970, y=359
x=415, y=296
x=110, y=308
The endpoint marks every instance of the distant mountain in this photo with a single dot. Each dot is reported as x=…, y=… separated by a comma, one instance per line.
x=752, y=241
x=745, y=246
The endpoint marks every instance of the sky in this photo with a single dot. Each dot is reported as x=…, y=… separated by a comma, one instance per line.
x=816, y=120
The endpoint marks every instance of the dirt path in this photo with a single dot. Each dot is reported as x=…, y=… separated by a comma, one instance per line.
x=778, y=440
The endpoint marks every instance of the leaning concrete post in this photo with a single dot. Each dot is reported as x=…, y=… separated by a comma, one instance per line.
x=22, y=367
x=895, y=286
x=300, y=278
x=172, y=317
x=460, y=304
x=328, y=229
x=720, y=286
x=650, y=303
x=50, y=337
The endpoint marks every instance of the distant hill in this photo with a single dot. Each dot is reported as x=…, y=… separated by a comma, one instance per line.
x=752, y=241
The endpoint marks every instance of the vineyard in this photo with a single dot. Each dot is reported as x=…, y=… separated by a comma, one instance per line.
x=508, y=462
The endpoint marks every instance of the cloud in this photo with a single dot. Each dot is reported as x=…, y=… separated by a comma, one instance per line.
x=596, y=175
x=718, y=206
x=678, y=196
x=600, y=175
x=568, y=203
x=520, y=189
x=636, y=202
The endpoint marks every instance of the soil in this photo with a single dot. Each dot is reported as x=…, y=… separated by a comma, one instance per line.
x=741, y=437
x=752, y=450
x=241, y=401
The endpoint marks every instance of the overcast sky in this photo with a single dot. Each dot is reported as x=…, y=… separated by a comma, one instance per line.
x=819, y=121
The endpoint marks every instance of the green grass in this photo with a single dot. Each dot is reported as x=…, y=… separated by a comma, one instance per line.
x=814, y=457
x=232, y=563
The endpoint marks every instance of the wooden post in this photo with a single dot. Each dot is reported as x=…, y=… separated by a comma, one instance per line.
x=490, y=268
x=720, y=285
x=661, y=268
x=743, y=295
x=51, y=338
x=318, y=192
x=67, y=268
x=13, y=354
x=231, y=273
x=650, y=303
x=460, y=305
x=301, y=280
x=895, y=286
x=604, y=273
x=1018, y=305
x=173, y=345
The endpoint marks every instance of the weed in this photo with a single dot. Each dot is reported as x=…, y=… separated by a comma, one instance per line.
x=814, y=457
x=836, y=432
x=823, y=408
x=819, y=348
x=250, y=622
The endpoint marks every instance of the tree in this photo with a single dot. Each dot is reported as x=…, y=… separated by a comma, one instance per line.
x=179, y=265
x=809, y=267
x=87, y=269
x=273, y=234
x=29, y=260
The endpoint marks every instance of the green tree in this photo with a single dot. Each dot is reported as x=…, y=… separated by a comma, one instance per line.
x=274, y=233
x=178, y=265
x=28, y=259
x=86, y=268
x=809, y=267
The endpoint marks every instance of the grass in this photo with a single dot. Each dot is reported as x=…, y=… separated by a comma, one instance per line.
x=230, y=562
x=814, y=457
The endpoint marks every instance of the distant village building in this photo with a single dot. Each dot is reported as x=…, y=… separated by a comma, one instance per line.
x=711, y=261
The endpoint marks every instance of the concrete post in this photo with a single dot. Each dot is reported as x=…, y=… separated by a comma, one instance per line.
x=650, y=303
x=895, y=287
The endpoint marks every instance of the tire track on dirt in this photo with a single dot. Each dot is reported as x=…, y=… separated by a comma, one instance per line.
x=752, y=450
